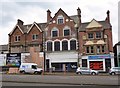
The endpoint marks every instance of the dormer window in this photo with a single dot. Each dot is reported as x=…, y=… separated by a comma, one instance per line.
x=17, y=38
x=60, y=19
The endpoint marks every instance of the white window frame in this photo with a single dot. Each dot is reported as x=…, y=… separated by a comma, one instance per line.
x=54, y=29
x=67, y=28
x=17, y=37
x=60, y=17
x=35, y=37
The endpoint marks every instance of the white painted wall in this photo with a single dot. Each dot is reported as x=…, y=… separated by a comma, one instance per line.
x=60, y=57
x=2, y=59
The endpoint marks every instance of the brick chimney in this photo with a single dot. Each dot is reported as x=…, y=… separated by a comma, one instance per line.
x=79, y=16
x=20, y=22
x=108, y=16
x=48, y=15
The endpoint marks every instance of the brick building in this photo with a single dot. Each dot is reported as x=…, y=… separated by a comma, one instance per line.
x=95, y=44
x=67, y=41
x=22, y=37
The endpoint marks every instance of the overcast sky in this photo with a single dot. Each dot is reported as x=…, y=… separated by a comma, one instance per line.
x=35, y=10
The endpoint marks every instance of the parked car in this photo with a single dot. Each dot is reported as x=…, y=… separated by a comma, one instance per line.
x=85, y=70
x=114, y=71
x=30, y=68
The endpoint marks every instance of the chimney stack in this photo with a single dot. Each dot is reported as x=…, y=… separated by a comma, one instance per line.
x=79, y=16
x=108, y=16
x=48, y=15
x=20, y=22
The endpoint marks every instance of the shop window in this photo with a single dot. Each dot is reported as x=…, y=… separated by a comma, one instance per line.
x=73, y=45
x=49, y=46
x=64, y=45
x=57, y=46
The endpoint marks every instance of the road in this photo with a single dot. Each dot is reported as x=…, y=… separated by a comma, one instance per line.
x=64, y=80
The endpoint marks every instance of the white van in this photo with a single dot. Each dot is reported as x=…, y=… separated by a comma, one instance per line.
x=30, y=68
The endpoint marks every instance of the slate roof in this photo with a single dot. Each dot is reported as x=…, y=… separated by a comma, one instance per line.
x=25, y=28
x=75, y=18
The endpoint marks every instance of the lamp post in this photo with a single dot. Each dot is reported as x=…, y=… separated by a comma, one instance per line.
x=77, y=36
x=25, y=40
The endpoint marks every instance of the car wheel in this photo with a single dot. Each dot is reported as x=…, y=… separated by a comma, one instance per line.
x=113, y=73
x=22, y=72
x=79, y=73
x=93, y=73
x=35, y=72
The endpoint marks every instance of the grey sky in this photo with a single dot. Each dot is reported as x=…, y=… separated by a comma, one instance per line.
x=35, y=10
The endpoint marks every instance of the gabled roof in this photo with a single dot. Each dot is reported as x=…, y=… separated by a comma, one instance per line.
x=19, y=27
x=62, y=12
x=93, y=23
x=104, y=24
x=27, y=28
x=36, y=26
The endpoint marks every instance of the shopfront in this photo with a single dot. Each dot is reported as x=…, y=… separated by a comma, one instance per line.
x=100, y=62
x=68, y=66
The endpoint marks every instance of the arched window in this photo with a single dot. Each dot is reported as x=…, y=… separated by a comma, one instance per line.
x=73, y=45
x=66, y=32
x=49, y=46
x=57, y=46
x=54, y=32
x=64, y=45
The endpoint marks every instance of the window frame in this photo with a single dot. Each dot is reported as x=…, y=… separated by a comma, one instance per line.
x=98, y=50
x=89, y=36
x=56, y=47
x=49, y=47
x=59, y=18
x=17, y=38
x=35, y=37
x=53, y=30
x=98, y=35
x=73, y=45
x=64, y=47
x=67, y=29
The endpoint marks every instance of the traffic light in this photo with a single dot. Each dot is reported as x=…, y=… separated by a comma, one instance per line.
x=119, y=59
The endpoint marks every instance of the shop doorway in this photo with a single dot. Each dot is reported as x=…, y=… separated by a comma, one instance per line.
x=107, y=64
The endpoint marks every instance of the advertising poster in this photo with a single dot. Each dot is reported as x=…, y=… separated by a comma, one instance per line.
x=13, y=59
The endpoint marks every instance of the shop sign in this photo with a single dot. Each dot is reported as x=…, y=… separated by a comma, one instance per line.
x=108, y=56
x=13, y=59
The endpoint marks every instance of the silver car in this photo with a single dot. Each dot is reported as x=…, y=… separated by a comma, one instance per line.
x=85, y=70
x=114, y=70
